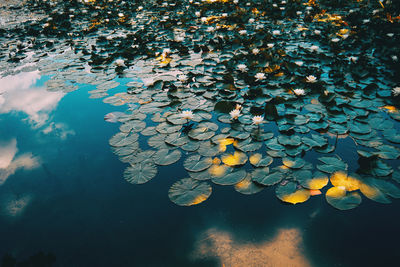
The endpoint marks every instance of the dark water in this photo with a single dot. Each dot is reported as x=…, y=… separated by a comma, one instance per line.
x=73, y=208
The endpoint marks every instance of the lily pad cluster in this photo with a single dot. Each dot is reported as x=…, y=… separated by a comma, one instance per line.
x=238, y=93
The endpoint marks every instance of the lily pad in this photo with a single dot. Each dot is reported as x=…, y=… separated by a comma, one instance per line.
x=141, y=172
x=340, y=199
x=188, y=192
x=203, y=131
x=247, y=186
x=196, y=164
x=290, y=193
x=165, y=157
x=231, y=178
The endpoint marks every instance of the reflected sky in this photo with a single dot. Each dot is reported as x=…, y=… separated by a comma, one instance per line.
x=23, y=93
x=62, y=192
x=285, y=249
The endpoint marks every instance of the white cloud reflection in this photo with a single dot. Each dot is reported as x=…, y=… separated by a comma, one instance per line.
x=18, y=93
x=285, y=249
x=13, y=205
x=10, y=163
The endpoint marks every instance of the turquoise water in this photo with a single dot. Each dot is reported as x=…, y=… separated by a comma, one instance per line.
x=67, y=197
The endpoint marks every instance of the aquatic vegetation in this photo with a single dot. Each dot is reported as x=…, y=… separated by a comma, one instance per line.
x=211, y=83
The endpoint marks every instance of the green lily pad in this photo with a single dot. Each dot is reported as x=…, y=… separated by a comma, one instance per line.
x=165, y=157
x=263, y=177
x=248, y=145
x=258, y=161
x=237, y=159
x=293, y=163
x=188, y=192
x=196, y=164
x=123, y=139
x=290, y=193
x=203, y=131
x=342, y=200
x=232, y=177
x=247, y=186
x=141, y=172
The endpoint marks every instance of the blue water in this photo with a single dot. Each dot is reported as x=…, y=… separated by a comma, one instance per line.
x=76, y=205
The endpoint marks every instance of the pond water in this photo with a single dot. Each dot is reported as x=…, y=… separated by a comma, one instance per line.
x=99, y=165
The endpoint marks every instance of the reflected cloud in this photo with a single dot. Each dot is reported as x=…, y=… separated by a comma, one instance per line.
x=283, y=250
x=13, y=206
x=60, y=129
x=9, y=164
x=8, y=151
x=19, y=94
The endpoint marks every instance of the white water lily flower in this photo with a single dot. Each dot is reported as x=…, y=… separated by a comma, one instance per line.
x=238, y=106
x=183, y=78
x=299, y=92
x=353, y=59
x=242, y=32
x=276, y=32
x=148, y=81
x=314, y=48
x=299, y=63
x=224, y=15
x=395, y=58
x=197, y=14
x=120, y=62
x=317, y=32
x=258, y=120
x=390, y=34
x=396, y=91
x=298, y=13
x=255, y=51
x=187, y=114
x=260, y=76
x=236, y=2
x=311, y=79
x=203, y=19
x=251, y=20
x=274, y=5
x=210, y=29
x=270, y=45
x=242, y=67
x=335, y=40
x=235, y=114
x=179, y=39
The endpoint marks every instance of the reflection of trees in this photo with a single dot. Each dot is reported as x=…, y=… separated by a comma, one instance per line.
x=40, y=259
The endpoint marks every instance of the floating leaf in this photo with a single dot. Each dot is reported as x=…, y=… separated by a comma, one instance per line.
x=293, y=163
x=141, y=172
x=291, y=194
x=231, y=177
x=247, y=186
x=238, y=158
x=188, y=192
x=340, y=179
x=203, y=131
x=262, y=176
x=195, y=164
x=258, y=161
x=340, y=199
x=123, y=139
x=164, y=157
